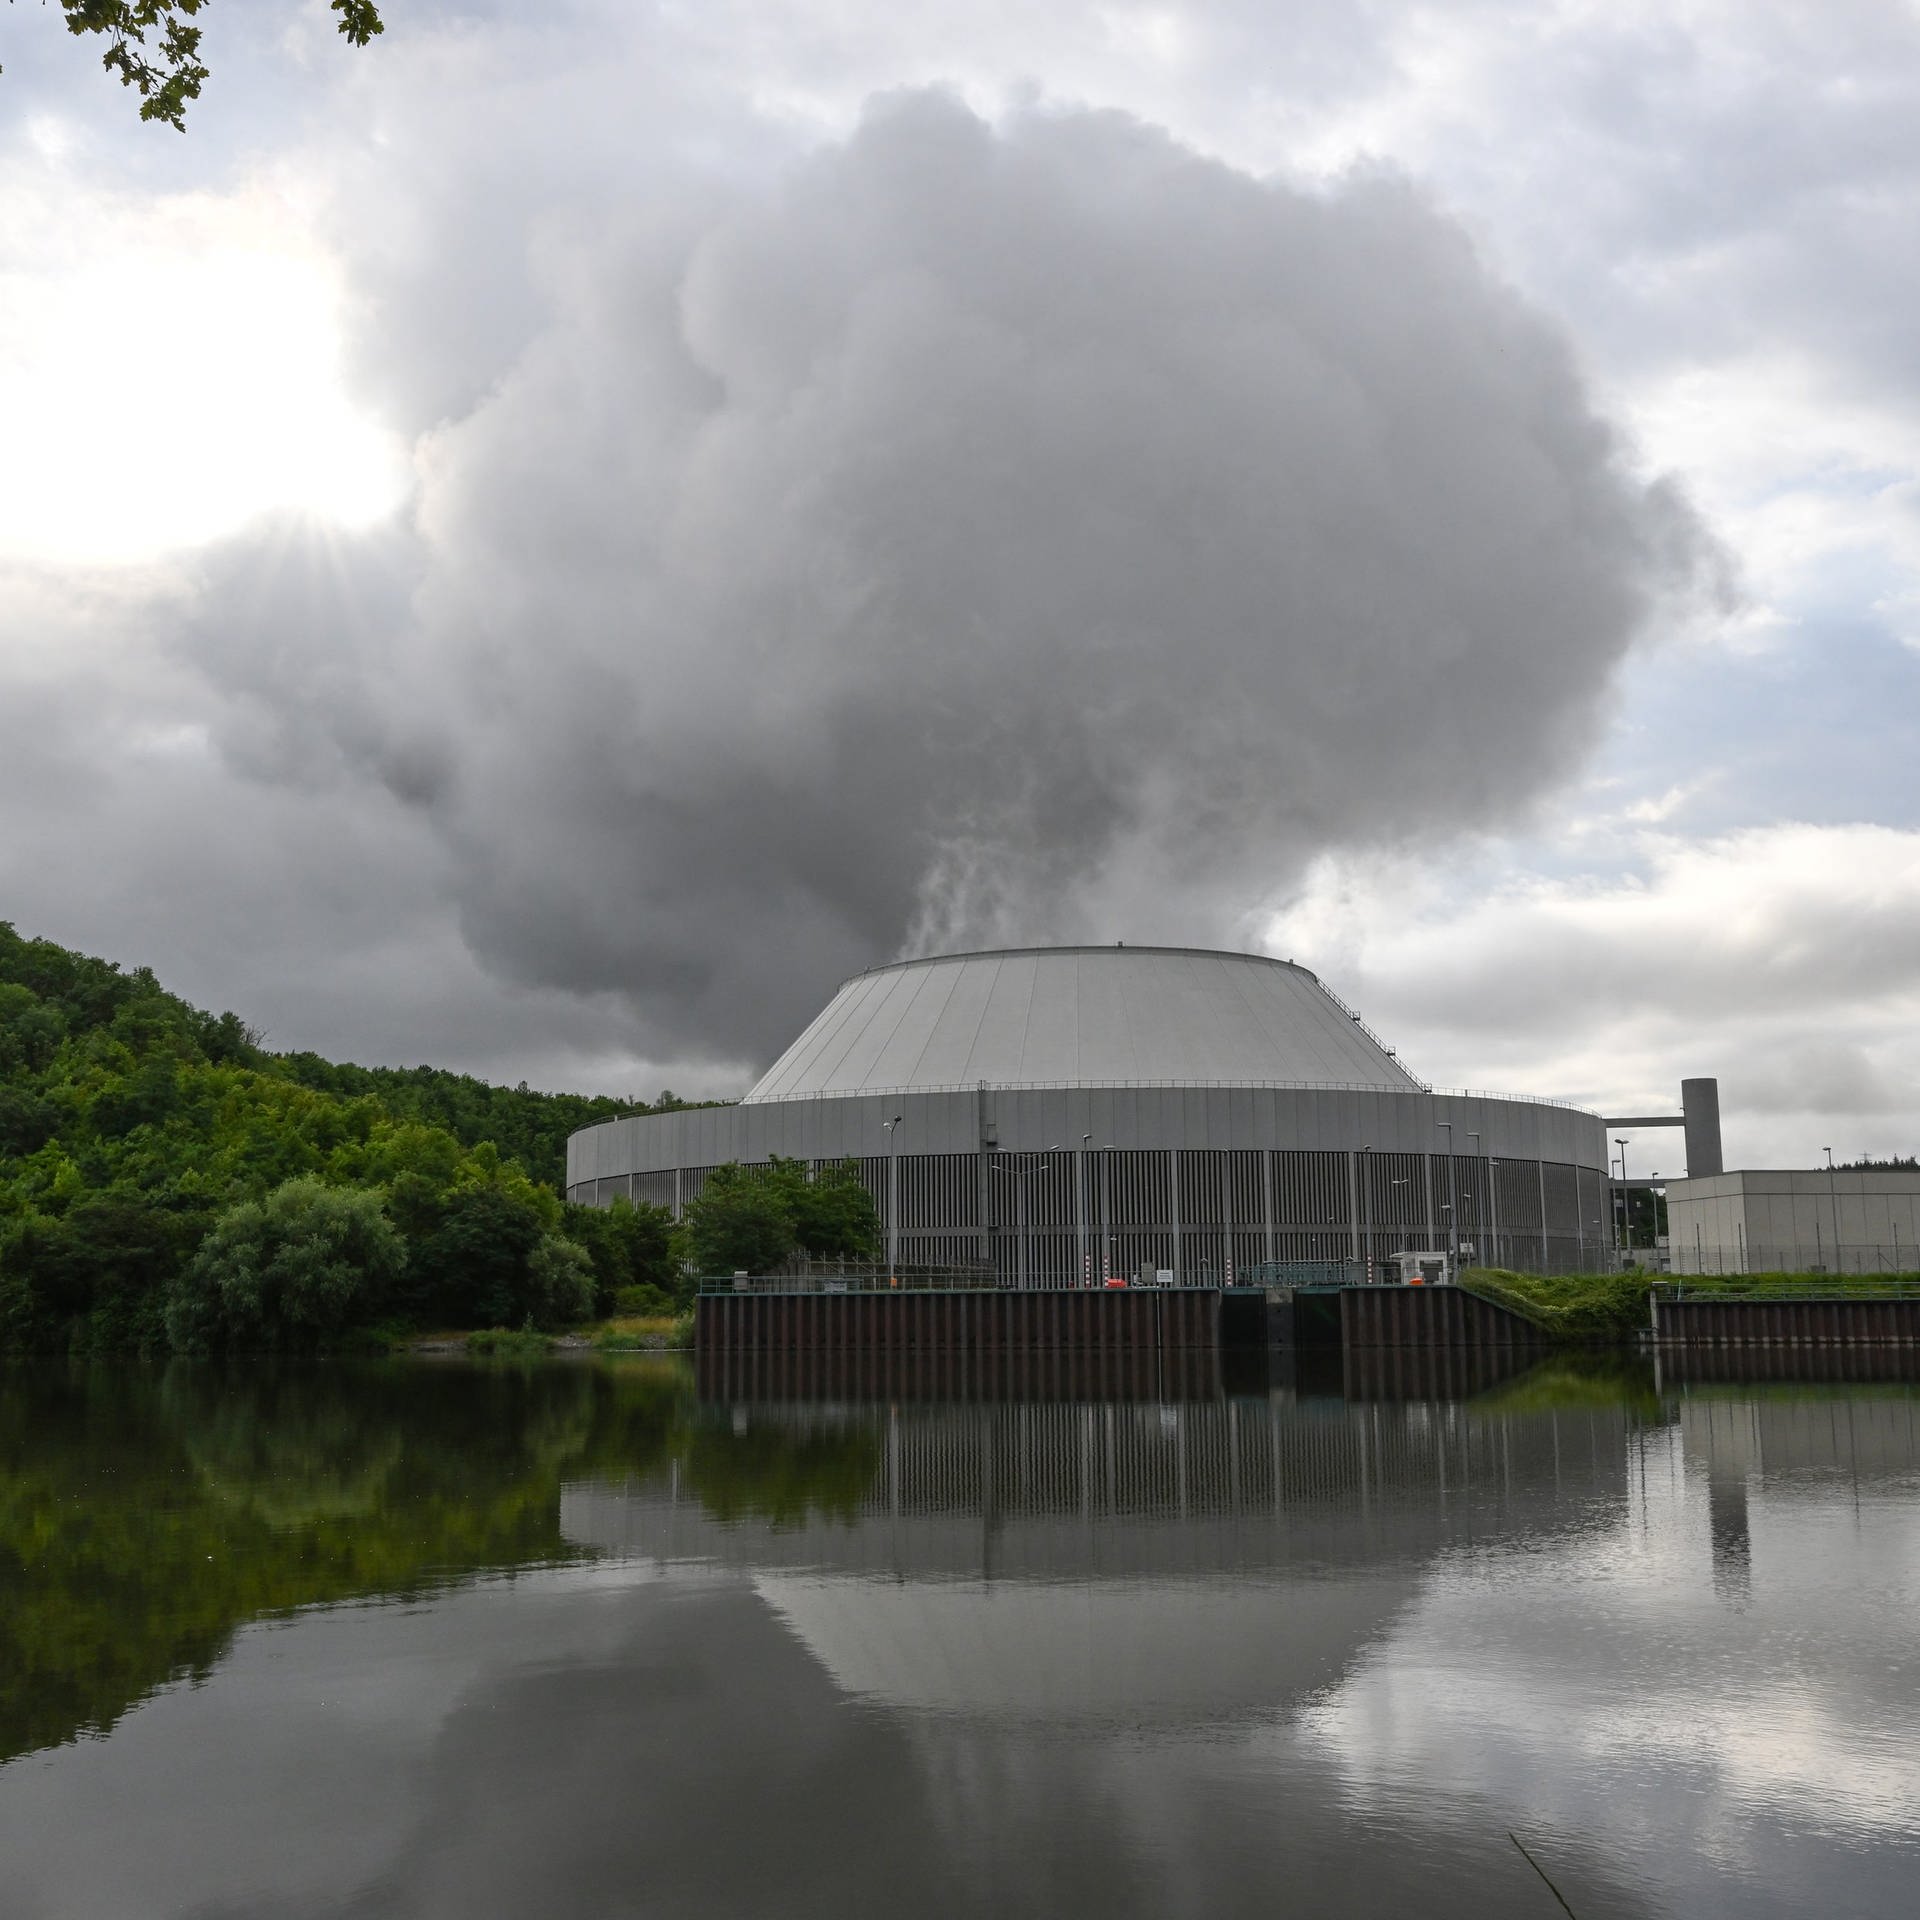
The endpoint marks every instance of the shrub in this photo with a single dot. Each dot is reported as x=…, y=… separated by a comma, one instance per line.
x=287, y=1271
x=643, y=1300
x=509, y=1343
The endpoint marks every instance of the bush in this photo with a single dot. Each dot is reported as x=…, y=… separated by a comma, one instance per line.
x=509, y=1343
x=643, y=1300
x=287, y=1271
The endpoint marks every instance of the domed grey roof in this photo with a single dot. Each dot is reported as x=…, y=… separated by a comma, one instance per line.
x=1047, y=1016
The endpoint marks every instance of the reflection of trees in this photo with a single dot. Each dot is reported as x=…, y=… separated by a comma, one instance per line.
x=146, y=1514
x=775, y=1473
x=287, y=1446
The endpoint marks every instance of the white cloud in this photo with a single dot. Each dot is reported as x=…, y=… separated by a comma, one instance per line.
x=1784, y=959
x=170, y=369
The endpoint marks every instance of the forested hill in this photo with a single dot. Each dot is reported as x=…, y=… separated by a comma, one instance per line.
x=165, y=1182
x=96, y=1005
x=526, y=1126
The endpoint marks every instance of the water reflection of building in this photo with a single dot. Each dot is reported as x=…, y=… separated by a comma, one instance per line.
x=1155, y=1561
x=1789, y=1447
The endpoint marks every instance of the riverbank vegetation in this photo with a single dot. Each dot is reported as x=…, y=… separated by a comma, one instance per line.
x=167, y=1184
x=1611, y=1309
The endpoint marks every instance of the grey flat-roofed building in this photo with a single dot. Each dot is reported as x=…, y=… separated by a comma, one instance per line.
x=1056, y=1111
x=1796, y=1220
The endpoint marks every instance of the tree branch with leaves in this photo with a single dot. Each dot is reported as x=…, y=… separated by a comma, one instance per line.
x=154, y=45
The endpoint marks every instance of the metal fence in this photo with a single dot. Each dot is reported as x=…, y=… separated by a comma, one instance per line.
x=1790, y=1286
x=1685, y=1254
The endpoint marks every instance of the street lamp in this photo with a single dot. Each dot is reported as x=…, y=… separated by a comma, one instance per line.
x=1366, y=1211
x=1019, y=1175
x=1833, y=1204
x=1106, y=1212
x=1480, y=1203
x=1081, y=1204
x=893, y=1198
x=1453, y=1206
x=1626, y=1201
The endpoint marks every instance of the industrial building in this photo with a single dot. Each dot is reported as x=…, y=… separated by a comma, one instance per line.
x=1051, y=1115
x=1811, y=1220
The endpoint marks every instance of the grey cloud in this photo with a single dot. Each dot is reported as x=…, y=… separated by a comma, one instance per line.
x=1833, y=1077
x=1022, y=534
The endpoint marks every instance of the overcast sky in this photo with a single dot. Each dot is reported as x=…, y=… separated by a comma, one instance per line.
x=542, y=545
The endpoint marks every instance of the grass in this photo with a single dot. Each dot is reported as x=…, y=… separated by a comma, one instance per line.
x=509, y=1343
x=642, y=1333
x=1864, y=1286
x=1572, y=1309
x=1599, y=1309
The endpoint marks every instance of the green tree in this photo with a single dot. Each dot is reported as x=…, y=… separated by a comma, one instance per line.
x=94, y=1277
x=739, y=1221
x=130, y=1122
x=154, y=48
x=307, y=1262
x=833, y=1213
x=471, y=1270
x=560, y=1283
x=630, y=1246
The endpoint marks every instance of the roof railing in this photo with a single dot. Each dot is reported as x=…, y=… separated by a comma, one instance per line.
x=1058, y=1086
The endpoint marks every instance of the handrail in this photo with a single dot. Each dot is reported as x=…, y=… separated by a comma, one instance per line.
x=1070, y=1086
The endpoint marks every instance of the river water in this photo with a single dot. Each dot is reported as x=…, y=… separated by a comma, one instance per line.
x=575, y=1639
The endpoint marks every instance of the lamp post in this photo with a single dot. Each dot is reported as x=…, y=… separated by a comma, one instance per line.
x=1480, y=1203
x=1081, y=1204
x=1493, y=1212
x=1401, y=1234
x=1833, y=1205
x=1106, y=1213
x=1366, y=1212
x=1453, y=1207
x=893, y=1197
x=1019, y=1176
x=1626, y=1201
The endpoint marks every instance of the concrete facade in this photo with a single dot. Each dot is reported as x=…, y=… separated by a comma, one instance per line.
x=1855, y=1220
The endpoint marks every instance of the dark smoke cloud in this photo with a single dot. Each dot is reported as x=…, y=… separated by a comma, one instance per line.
x=988, y=535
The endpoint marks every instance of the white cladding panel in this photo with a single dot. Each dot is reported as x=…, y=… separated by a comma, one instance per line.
x=1085, y=1014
